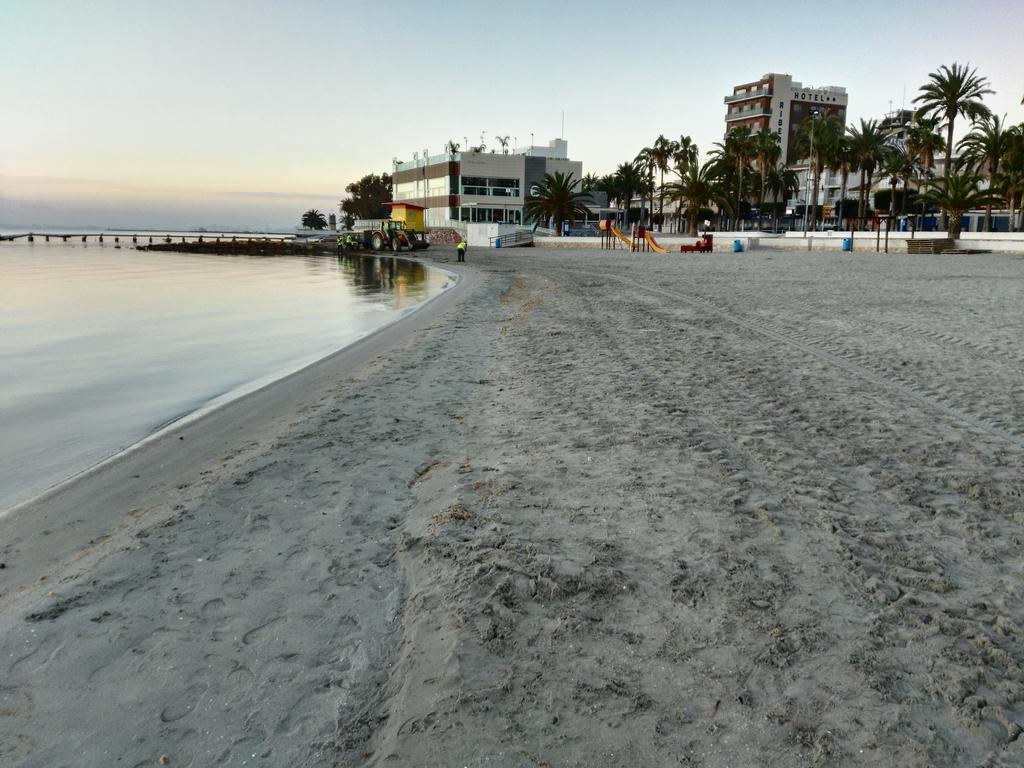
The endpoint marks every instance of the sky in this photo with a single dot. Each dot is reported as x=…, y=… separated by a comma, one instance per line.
x=217, y=113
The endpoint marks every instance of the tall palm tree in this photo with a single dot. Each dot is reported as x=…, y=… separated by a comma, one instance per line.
x=646, y=165
x=684, y=155
x=661, y=153
x=985, y=147
x=503, y=140
x=1010, y=179
x=923, y=141
x=868, y=143
x=767, y=151
x=841, y=159
x=313, y=219
x=628, y=183
x=895, y=166
x=700, y=186
x=556, y=197
x=950, y=92
x=822, y=134
x=452, y=147
x=736, y=151
x=782, y=180
x=590, y=182
x=957, y=193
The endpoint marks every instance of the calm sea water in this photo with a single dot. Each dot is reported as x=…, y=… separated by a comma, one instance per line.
x=101, y=347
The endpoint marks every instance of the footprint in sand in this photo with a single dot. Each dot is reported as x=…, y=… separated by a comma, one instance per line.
x=213, y=609
x=184, y=706
x=253, y=634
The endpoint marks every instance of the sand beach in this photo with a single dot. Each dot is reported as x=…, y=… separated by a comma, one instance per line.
x=583, y=509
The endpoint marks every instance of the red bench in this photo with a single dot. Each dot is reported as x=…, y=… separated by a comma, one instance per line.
x=701, y=246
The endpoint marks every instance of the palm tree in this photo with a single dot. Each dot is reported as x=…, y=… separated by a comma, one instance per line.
x=452, y=147
x=895, y=168
x=736, y=150
x=661, y=153
x=685, y=154
x=868, y=143
x=841, y=159
x=822, y=134
x=956, y=194
x=923, y=141
x=950, y=92
x=985, y=147
x=782, y=180
x=629, y=183
x=700, y=186
x=591, y=182
x=1010, y=180
x=646, y=164
x=313, y=219
x=503, y=140
x=767, y=151
x=556, y=197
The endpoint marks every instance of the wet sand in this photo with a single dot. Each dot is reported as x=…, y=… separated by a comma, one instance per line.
x=586, y=510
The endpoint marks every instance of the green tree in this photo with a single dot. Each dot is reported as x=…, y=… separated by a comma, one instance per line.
x=367, y=197
x=1010, y=179
x=627, y=184
x=949, y=92
x=684, y=155
x=557, y=197
x=923, y=141
x=699, y=186
x=895, y=167
x=782, y=181
x=956, y=194
x=591, y=182
x=313, y=219
x=767, y=152
x=662, y=152
x=823, y=133
x=841, y=159
x=735, y=153
x=646, y=165
x=868, y=144
x=985, y=146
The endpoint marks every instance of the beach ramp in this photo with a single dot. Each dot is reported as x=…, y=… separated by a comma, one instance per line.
x=654, y=243
x=623, y=238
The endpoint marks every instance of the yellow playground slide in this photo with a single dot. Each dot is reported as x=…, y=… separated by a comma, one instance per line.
x=654, y=244
x=623, y=238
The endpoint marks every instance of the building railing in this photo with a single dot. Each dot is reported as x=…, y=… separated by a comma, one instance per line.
x=748, y=95
x=746, y=114
x=519, y=238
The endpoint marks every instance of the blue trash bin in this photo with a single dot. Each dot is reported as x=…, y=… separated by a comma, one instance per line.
x=847, y=244
x=497, y=242
x=737, y=246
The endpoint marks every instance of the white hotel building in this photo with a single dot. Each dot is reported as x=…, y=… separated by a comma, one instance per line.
x=479, y=187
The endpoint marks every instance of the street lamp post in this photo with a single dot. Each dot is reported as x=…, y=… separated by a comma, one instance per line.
x=810, y=165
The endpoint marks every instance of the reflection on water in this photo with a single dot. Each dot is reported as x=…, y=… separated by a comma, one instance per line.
x=99, y=346
x=383, y=273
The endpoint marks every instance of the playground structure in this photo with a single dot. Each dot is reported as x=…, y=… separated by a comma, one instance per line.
x=642, y=240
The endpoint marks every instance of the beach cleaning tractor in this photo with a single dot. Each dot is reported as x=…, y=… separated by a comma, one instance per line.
x=405, y=229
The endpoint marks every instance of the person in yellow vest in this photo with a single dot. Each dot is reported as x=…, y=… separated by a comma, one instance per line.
x=462, y=250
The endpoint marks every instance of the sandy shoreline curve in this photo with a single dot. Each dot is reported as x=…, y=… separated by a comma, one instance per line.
x=245, y=412
x=583, y=509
